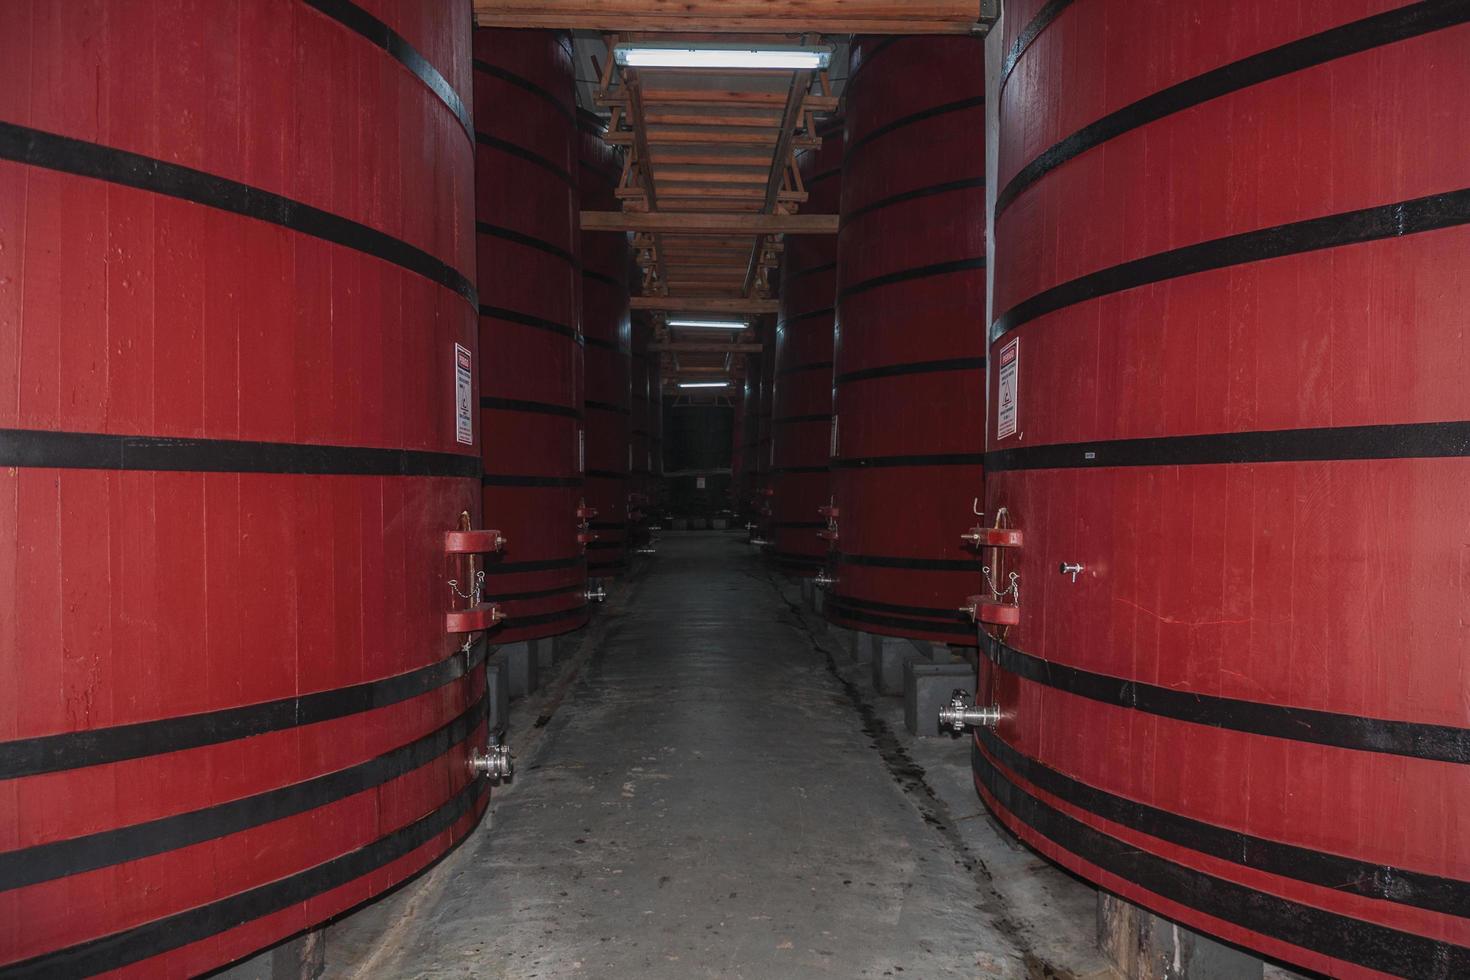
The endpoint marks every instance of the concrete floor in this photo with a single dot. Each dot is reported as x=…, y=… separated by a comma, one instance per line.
x=714, y=797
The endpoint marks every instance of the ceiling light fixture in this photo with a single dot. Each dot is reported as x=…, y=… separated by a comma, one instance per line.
x=792, y=57
x=709, y=324
x=704, y=384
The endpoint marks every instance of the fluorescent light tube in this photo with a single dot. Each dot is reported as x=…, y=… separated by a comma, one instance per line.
x=704, y=384
x=676, y=55
x=710, y=324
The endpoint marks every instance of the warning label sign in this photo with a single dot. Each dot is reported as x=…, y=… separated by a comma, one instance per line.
x=464, y=394
x=1009, y=390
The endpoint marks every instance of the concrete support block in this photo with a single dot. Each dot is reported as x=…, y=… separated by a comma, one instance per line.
x=819, y=600
x=679, y=524
x=841, y=635
x=544, y=650
x=890, y=654
x=521, y=664
x=927, y=687
x=1145, y=946
x=720, y=524
x=302, y=958
x=567, y=645
x=497, y=693
x=808, y=589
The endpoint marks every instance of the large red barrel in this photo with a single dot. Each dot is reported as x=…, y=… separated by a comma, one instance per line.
x=801, y=413
x=765, y=332
x=1228, y=373
x=640, y=439
x=608, y=354
x=909, y=399
x=237, y=342
x=748, y=499
x=530, y=327
x=737, y=447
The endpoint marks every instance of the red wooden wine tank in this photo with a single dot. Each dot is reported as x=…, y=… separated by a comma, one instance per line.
x=748, y=501
x=530, y=327
x=737, y=447
x=1229, y=368
x=910, y=342
x=236, y=267
x=765, y=328
x=644, y=402
x=605, y=266
x=801, y=413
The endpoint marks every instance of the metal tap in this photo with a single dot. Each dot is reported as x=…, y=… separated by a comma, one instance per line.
x=960, y=714
x=598, y=594
x=823, y=580
x=493, y=762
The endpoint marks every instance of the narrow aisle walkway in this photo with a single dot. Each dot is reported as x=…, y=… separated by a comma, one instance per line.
x=705, y=803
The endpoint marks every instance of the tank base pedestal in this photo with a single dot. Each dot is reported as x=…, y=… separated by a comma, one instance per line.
x=808, y=592
x=522, y=667
x=927, y=687
x=544, y=650
x=302, y=958
x=889, y=654
x=1150, y=947
x=841, y=634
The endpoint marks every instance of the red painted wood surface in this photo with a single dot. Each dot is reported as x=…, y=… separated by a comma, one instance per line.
x=738, y=491
x=910, y=338
x=801, y=422
x=606, y=323
x=531, y=343
x=747, y=472
x=765, y=331
x=256, y=543
x=1313, y=558
x=645, y=404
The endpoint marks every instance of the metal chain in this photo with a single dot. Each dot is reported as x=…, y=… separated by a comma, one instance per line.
x=474, y=593
x=1013, y=589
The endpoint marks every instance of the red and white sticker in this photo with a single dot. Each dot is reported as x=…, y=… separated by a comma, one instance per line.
x=1009, y=390
x=464, y=396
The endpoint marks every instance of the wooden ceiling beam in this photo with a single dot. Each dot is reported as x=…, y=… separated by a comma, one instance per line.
x=704, y=304
x=697, y=135
x=725, y=224
x=766, y=120
x=632, y=84
x=801, y=82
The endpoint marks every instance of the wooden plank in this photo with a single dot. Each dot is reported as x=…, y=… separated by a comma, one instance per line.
x=672, y=221
x=633, y=85
x=738, y=16
x=704, y=304
x=698, y=135
x=782, y=157
x=756, y=158
x=763, y=121
x=741, y=175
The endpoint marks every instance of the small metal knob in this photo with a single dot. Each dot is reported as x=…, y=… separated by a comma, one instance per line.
x=1071, y=568
x=960, y=714
x=493, y=762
